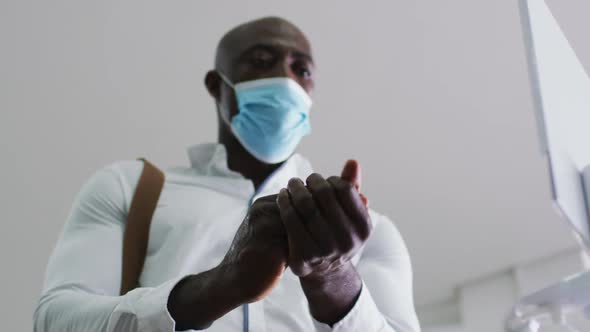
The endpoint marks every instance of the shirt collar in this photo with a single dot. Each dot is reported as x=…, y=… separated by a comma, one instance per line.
x=210, y=159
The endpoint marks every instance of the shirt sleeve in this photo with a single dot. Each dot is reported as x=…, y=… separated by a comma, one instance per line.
x=83, y=276
x=386, y=302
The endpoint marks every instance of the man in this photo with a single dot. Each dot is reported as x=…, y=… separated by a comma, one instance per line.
x=306, y=255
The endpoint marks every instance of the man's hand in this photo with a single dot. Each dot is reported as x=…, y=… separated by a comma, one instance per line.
x=327, y=222
x=252, y=266
x=258, y=253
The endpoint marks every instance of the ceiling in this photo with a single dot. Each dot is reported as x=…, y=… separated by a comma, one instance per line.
x=431, y=97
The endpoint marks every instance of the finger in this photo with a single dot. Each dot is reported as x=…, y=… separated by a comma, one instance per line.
x=266, y=205
x=299, y=240
x=352, y=173
x=310, y=215
x=331, y=210
x=353, y=205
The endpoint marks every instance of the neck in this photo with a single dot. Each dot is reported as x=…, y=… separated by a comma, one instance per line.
x=241, y=161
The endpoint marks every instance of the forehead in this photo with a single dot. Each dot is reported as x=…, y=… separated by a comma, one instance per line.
x=280, y=35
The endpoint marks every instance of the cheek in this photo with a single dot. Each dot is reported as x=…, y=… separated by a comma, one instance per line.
x=308, y=87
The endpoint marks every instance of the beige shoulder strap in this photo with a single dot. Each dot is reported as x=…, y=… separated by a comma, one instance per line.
x=139, y=218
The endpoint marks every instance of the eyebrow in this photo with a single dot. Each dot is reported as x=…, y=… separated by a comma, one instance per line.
x=303, y=55
x=273, y=49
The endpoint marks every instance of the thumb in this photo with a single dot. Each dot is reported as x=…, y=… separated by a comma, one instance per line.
x=352, y=173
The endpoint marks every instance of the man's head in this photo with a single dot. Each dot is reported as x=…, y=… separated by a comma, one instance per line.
x=261, y=84
x=263, y=48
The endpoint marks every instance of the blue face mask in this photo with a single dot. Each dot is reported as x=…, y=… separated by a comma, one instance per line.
x=273, y=116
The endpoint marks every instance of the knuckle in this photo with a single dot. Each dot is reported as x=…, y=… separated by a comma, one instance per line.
x=294, y=181
x=313, y=177
x=334, y=179
x=299, y=194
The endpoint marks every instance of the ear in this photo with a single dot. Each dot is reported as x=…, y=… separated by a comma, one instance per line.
x=213, y=84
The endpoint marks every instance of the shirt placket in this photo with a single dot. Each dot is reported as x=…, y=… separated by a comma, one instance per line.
x=255, y=311
x=257, y=320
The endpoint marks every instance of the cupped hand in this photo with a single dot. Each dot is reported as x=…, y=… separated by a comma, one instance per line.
x=327, y=222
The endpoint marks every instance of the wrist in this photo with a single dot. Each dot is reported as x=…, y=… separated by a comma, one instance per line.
x=226, y=280
x=332, y=296
x=343, y=275
x=190, y=302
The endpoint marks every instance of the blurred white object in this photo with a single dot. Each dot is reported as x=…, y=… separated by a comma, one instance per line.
x=530, y=325
x=551, y=305
x=561, y=91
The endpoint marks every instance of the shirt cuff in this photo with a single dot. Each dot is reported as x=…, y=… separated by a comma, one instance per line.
x=144, y=309
x=364, y=316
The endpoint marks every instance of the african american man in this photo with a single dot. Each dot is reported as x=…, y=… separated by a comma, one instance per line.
x=247, y=238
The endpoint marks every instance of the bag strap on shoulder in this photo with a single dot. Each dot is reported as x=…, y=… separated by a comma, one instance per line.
x=137, y=229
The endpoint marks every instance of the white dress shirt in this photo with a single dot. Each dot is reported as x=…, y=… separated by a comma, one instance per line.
x=199, y=211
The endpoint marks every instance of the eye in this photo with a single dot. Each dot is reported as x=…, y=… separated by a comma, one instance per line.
x=261, y=59
x=305, y=73
x=302, y=71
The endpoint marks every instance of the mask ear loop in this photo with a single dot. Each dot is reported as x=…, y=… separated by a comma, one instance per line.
x=225, y=79
x=225, y=112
